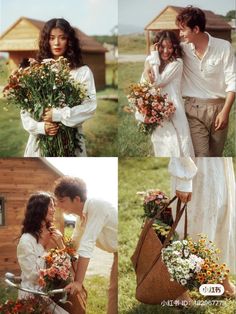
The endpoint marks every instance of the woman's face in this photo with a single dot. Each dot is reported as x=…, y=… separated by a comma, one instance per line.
x=58, y=42
x=51, y=212
x=165, y=49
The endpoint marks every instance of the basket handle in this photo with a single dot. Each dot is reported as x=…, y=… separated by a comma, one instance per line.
x=179, y=214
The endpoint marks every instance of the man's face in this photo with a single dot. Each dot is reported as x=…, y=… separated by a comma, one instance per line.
x=66, y=204
x=186, y=34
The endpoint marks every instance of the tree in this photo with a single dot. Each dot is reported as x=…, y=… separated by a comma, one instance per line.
x=231, y=15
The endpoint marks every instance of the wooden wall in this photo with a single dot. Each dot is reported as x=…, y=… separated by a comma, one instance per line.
x=20, y=177
x=96, y=62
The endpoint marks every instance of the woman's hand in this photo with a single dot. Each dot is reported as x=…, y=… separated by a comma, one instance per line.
x=44, y=237
x=47, y=115
x=185, y=197
x=57, y=238
x=148, y=73
x=51, y=128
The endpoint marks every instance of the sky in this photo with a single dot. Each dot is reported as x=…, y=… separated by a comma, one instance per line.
x=99, y=173
x=141, y=12
x=93, y=17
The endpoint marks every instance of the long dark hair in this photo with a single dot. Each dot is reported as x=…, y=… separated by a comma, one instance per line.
x=172, y=37
x=36, y=212
x=73, y=51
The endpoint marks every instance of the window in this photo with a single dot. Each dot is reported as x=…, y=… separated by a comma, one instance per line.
x=2, y=213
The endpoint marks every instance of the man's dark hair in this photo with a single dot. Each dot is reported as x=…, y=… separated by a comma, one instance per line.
x=70, y=187
x=191, y=17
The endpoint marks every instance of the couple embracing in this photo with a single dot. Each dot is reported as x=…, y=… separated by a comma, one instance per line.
x=96, y=225
x=200, y=72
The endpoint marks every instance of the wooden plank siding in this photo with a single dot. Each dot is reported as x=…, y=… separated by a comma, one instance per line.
x=20, y=177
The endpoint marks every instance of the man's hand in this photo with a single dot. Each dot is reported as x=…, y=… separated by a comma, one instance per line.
x=184, y=196
x=222, y=120
x=47, y=115
x=51, y=128
x=74, y=287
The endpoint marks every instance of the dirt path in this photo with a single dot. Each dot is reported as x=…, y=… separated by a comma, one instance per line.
x=100, y=263
x=123, y=58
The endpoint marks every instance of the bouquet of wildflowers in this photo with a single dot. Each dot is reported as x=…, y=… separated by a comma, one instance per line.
x=70, y=249
x=148, y=101
x=34, y=305
x=57, y=271
x=193, y=263
x=48, y=85
x=154, y=201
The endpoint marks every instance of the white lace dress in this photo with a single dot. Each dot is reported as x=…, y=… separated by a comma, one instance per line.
x=212, y=208
x=71, y=117
x=29, y=255
x=173, y=139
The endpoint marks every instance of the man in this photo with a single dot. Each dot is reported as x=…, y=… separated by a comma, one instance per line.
x=208, y=83
x=100, y=221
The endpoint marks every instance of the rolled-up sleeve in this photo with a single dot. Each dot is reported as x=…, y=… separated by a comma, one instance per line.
x=76, y=115
x=183, y=171
x=230, y=69
x=96, y=219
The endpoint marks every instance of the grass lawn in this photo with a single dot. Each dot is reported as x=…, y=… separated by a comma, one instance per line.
x=139, y=174
x=132, y=44
x=131, y=143
x=100, y=131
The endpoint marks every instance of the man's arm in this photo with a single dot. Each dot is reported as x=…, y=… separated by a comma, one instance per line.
x=222, y=119
x=76, y=286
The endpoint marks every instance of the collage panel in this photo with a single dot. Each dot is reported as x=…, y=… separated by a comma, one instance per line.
x=58, y=221
x=58, y=78
x=160, y=268
x=177, y=79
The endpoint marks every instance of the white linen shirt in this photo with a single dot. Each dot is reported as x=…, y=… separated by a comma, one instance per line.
x=212, y=76
x=100, y=228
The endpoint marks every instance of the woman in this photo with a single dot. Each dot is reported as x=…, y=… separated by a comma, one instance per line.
x=173, y=139
x=36, y=238
x=208, y=185
x=57, y=39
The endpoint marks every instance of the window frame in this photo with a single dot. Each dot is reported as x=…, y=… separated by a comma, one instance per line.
x=2, y=210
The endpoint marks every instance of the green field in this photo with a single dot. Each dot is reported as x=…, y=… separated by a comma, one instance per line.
x=100, y=131
x=132, y=44
x=140, y=174
x=131, y=143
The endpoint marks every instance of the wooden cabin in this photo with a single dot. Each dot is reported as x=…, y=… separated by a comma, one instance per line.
x=165, y=20
x=21, y=41
x=20, y=177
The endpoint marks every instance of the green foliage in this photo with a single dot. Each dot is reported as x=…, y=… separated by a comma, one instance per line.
x=139, y=174
x=231, y=15
x=112, y=40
